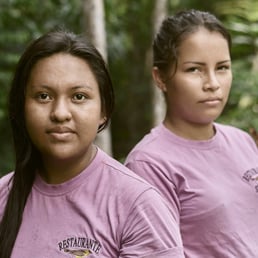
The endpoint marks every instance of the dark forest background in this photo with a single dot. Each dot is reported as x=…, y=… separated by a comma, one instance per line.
x=129, y=30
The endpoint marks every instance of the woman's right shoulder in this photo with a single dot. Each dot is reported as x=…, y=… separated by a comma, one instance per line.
x=6, y=178
x=5, y=183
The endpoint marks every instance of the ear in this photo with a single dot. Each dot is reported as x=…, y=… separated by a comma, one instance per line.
x=157, y=77
x=102, y=120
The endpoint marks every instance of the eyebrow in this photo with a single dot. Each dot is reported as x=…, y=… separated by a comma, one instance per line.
x=72, y=88
x=201, y=63
x=82, y=86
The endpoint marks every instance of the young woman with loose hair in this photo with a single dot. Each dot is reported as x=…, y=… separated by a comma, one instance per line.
x=66, y=197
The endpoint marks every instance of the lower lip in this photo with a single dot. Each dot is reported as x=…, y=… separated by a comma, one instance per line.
x=211, y=102
x=61, y=136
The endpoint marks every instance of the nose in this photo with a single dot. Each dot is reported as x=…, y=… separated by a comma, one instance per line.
x=211, y=82
x=60, y=111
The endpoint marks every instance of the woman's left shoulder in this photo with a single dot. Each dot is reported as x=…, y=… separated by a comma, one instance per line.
x=119, y=172
x=235, y=134
x=231, y=129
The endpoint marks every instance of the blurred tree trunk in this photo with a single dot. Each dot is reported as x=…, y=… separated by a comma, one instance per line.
x=160, y=11
x=94, y=26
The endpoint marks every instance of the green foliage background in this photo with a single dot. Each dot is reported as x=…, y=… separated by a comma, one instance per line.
x=129, y=35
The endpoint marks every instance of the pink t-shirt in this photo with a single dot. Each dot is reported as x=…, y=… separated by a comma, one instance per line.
x=211, y=185
x=105, y=211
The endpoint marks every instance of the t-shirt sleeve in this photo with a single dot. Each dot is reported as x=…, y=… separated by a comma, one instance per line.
x=154, y=173
x=151, y=229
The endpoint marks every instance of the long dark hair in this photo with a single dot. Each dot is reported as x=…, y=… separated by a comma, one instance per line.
x=27, y=157
x=174, y=29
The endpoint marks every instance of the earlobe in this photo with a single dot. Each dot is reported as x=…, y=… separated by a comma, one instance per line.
x=102, y=120
x=102, y=123
x=158, y=79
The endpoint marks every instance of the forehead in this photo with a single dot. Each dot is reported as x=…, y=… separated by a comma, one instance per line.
x=203, y=43
x=62, y=68
x=59, y=61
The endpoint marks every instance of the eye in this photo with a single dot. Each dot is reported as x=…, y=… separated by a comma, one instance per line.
x=43, y=96
x=79, y=97
x=223, y=67
x=193, y=69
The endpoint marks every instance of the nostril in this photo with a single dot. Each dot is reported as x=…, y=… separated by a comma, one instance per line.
x=60, y=112
x=210, y=82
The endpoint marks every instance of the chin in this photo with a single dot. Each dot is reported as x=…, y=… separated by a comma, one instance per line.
x=210, y=118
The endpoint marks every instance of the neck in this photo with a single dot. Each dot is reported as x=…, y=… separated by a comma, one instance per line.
x=190, y=131
x=60, y=171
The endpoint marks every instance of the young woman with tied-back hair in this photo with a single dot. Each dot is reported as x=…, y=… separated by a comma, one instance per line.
x=66, y=197
x=208, y=172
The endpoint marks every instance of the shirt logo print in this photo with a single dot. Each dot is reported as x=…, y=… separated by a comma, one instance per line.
x=79, y=247
x=251, y=177
x=79, y=253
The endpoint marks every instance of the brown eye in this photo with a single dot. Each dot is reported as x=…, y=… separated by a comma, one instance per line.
x=79, y=97
x=193, y=70
x=223, y=67
x=43, y=96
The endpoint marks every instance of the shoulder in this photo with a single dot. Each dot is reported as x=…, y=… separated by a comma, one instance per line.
x=5, y=184
x=151, y=145
x=235, y=136
x=122, y=176
x=229, y=128
x=131, y=189
x=5, y=181
x=233, y=132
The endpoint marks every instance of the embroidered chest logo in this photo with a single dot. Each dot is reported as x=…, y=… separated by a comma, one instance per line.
x=79, y=247
x=251, y=177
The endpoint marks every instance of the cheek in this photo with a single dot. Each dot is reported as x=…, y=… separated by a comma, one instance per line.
x=31, y=126
x=226, y=80
x=33, y=120
x=28, y=115
x=182, y=91
x=227, y=86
